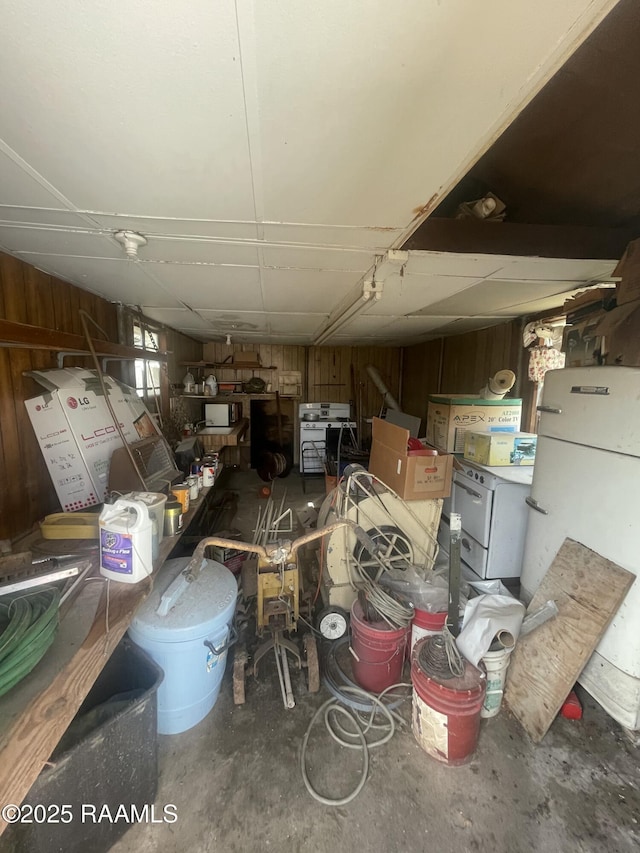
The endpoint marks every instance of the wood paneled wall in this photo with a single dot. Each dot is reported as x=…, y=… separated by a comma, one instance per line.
x=30, y=296
x=421, y=369
x=285, y=358
x=461, y=364
x=33, y=297
x=338, y=375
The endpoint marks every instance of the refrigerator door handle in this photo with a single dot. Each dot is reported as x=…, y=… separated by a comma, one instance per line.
x=533, y=503
x=552, y=410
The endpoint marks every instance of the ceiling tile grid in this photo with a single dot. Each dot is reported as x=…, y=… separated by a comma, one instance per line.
x=271, y=154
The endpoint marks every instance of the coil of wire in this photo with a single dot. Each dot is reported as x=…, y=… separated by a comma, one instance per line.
x=28, y=624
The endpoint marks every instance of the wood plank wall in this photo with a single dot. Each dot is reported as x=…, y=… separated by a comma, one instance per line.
x=30, y=296
x=284, y=358
x=461, y=364
x=338, y=374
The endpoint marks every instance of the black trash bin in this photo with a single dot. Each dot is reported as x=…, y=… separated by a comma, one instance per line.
x=107, y=758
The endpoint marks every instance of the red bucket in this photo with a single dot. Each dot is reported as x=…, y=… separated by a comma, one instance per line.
x=446, y=713
x=425, y=624
x=378, y=652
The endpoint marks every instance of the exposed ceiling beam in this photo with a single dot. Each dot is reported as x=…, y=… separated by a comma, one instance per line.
x=513, y=238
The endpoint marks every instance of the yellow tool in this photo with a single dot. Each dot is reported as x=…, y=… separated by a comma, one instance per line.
x=278, y=610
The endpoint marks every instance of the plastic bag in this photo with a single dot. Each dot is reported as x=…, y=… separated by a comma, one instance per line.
x=428, y=591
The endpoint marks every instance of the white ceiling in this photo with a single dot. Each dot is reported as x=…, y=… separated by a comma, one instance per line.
x=271, y=152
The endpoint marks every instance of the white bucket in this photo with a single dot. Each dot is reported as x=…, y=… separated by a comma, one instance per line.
x=496, y=664
x=125, y=541
x=155, y=502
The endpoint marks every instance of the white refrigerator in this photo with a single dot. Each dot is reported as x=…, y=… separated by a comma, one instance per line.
x=586, y=486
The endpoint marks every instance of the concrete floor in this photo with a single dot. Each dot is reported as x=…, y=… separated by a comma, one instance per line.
x=236, y=784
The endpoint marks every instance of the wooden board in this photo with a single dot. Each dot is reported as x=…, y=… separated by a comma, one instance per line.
x=588, y=590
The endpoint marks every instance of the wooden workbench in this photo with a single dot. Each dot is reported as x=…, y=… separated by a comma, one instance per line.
x=36, y=712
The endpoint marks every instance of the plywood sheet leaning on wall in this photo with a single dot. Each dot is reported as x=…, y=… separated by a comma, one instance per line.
x=588, y=590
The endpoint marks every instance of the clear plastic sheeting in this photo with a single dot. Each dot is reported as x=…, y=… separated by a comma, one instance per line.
x=428, y=591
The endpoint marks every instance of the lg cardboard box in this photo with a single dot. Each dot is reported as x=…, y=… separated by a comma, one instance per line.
x=414, y=475
x=500, y=448
x=76, y=432
x=449, y=417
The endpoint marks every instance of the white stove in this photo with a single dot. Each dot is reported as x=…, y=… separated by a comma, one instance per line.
x=313, y=433
x=491, y=502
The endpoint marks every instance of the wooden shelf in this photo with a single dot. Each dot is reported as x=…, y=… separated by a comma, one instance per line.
x=36, y=337
x=228, y=365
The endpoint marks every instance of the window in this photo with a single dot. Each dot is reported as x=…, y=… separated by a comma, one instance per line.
x=147, y=372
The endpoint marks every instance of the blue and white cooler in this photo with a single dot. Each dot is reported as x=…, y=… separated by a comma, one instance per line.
x=185, y=627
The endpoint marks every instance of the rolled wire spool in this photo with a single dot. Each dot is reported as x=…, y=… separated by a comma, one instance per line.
x=435, y=659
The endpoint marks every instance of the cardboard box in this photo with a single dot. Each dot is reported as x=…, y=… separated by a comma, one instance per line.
x=412, y=474
x=450, y=416
x=620, y=331
x=500, y=448
x=628, y=270
x=76, y=432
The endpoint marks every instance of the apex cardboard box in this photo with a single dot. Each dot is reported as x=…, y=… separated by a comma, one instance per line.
x=450, y=416
x=76, y=432
x=500, y=448
x=412, y=474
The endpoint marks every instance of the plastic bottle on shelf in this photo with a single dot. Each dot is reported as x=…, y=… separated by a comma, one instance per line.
x=212, y=384
x=189, y=383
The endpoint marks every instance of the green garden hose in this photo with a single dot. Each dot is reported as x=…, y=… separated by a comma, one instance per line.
x=28, y=624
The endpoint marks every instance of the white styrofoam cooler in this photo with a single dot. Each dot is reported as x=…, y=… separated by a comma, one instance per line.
x=185, y=628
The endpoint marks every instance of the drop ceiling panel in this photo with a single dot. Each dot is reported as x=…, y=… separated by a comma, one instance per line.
x=374, y=239
x=202, y=251
x=328, y=79
x=390, y=327
x=266, y=338
x=410, y=293
x=554, y=269
x=177, y=318
x=48, y=241
x=318, y=259
x=176, y=227
x=292, y=324
x=118, y=281
x=41, y=215
x=230, y=321
x=467, y=324
x=489, y=296
x=155, y=96
x=450, y=263
x=204, y=286
x=305, y=290
x=18, y=187
x=547, y=303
